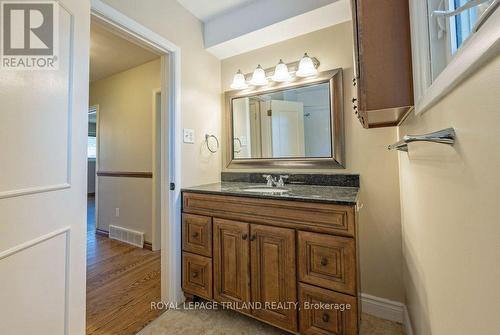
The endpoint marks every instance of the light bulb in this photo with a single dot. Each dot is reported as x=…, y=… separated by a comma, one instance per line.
x=259, y=77
x=239, y=82
x=281, y=73
x=306, y=67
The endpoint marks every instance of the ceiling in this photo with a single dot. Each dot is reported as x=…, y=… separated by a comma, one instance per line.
x=111, y=54
x=208, y=9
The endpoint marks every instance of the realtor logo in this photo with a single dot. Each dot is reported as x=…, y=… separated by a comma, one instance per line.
x=29, y=35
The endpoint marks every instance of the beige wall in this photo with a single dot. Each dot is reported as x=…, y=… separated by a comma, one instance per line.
x=380, y=221
x=200, y=80
x=451, y=226
x=125, y=123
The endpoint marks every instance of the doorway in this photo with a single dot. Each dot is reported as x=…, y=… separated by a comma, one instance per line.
x=170, y=151
x=124, y=182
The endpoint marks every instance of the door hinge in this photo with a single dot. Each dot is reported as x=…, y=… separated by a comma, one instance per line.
x=270, y=112
x=172, y=186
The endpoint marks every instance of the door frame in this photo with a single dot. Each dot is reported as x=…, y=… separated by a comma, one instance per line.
x=170, y=150
x=96, y=107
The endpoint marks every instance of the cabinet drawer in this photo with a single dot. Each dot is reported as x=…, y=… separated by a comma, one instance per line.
x=197, y=275
x=291, y=214
x=327, y=261
x=197, y=234
x=326, y=312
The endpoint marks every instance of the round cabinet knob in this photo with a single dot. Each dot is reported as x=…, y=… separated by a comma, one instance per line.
x=325, y=317
x=195, y=274
x=252, y=238
x=195, y=234
x=244, y=237
x=324, y=261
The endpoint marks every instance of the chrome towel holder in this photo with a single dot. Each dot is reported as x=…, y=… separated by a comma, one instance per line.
x=445, y=136
x=209, y=147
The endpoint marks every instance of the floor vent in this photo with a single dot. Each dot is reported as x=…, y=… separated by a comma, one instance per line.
x=126, y=235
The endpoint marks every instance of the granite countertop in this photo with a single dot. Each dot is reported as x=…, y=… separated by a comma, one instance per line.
x=339, y=195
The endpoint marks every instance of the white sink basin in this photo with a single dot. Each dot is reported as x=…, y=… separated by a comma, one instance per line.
x=266, y=190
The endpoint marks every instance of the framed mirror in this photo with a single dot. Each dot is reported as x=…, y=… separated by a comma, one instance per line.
x=288, y=125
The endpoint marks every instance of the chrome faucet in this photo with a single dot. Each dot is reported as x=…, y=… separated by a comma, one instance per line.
x=271, y=181
x=281, y=182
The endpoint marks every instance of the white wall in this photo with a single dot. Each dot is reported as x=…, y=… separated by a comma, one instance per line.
x=200, y=81
x=449, y=201
x=380, y=219
x=125, y=144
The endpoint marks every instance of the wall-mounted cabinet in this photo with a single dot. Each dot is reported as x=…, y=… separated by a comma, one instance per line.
x=383, y=84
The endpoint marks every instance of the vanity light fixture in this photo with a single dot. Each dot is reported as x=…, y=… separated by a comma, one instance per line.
x=281, y=73
x=306, y=67
x=239, y=82
x=259, y=77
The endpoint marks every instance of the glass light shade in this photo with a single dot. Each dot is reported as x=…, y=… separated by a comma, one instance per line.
x=281, y=73
x=259, y=77
x=306, y=67
x=239, y=82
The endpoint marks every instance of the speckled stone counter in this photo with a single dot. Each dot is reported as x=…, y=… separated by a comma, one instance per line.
x=339, y=195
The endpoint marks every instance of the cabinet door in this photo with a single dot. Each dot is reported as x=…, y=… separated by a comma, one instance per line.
x=231, y=262
x=273, y=275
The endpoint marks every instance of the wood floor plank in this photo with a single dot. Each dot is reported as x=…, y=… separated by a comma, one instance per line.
x=122, y=281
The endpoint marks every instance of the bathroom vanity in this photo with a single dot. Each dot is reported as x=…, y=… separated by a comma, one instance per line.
x=288, y=258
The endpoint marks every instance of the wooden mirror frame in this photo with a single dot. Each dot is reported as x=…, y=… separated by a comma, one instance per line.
x=335, y=161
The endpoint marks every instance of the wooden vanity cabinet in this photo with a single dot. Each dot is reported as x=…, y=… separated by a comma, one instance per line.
x=383, y=83
x=262, y=254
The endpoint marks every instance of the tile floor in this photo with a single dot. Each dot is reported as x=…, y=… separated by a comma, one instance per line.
x=224, y=322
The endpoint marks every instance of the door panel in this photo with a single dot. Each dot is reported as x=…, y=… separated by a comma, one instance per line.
x=231, y=261
x=43, y=130
x=273, y=274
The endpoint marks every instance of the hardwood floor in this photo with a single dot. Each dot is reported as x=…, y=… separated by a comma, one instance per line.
x=122, y=281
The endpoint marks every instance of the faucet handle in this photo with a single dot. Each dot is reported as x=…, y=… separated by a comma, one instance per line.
x=281, y=182
x=269, y=179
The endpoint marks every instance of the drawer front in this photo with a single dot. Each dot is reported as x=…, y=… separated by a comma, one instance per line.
x=197, y=275
x=327, y=261
x=292, y=214
x=326, y=312
x=197, y=234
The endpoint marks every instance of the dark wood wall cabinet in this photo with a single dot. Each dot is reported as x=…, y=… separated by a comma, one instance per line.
x=296, y=260
x=383, y=81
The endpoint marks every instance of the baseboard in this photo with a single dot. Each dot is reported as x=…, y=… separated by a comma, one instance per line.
x=383, y=308
x=407, y=322
x=102, y=232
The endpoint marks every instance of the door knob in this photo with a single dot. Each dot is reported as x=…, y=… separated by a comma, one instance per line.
x=325, y=317
x=195, y=274
x=324, y=261
x=195, y=234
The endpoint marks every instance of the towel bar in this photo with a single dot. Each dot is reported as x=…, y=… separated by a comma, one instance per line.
x=445, y=136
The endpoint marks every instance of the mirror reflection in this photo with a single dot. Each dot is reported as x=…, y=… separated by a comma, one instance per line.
x=292, y=123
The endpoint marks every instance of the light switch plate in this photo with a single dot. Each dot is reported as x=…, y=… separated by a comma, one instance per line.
x=188, y=135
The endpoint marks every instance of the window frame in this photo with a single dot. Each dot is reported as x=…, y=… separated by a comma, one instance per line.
x=477, y=49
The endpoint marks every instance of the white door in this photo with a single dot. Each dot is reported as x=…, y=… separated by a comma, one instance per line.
x=287, y=128
x=43, y=135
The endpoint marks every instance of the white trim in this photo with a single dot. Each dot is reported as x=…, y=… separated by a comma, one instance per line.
x=33, y=242
x=407, y=322
x=476, y=50
x=170, y=144
x=382, y=308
